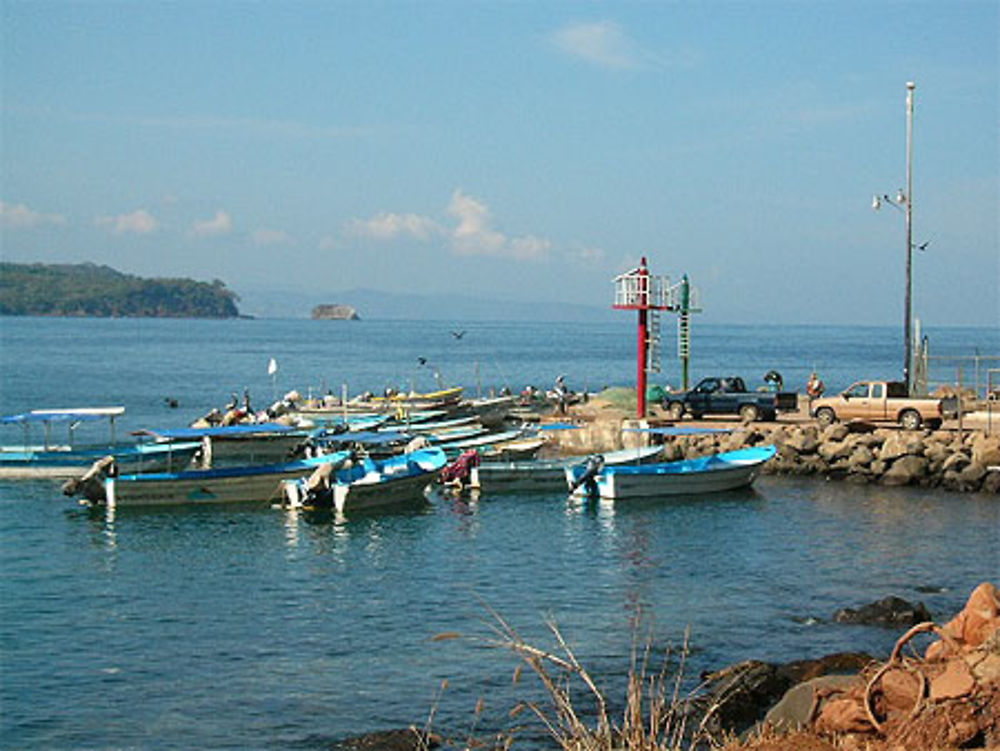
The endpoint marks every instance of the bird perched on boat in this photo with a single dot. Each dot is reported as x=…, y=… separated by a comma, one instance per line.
x=458, y=334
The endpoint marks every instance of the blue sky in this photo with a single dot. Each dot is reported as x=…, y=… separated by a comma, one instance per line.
x=513, y=150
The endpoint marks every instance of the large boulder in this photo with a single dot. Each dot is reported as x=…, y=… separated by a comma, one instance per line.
x=834, y=450
x=408, y=739
x=890, y=611
x=901, y=443
x=986, y=450
x=906, y=470
x=802, y=440
x=861, y=458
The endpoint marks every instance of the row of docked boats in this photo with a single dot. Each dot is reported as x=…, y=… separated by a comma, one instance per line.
x=354, y=461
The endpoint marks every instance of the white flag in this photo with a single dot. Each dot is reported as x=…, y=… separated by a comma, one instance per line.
x=272, y=367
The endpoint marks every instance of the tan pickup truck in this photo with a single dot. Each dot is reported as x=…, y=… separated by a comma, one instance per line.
x=878, y=401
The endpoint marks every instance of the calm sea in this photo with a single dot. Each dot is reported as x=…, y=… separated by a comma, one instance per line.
x=257, y=628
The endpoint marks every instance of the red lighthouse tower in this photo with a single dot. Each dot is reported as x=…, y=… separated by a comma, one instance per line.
x=639, y=290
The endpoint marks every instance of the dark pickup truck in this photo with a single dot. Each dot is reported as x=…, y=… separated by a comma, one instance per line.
x=729, y=396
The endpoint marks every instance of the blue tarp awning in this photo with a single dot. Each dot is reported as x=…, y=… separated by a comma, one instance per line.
x=64, y=415
x=371, y=437
x=220, y=431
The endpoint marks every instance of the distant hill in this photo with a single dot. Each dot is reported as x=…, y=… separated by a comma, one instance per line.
x=99, y=291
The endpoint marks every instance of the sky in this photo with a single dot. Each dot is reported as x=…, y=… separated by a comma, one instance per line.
x=514, y=151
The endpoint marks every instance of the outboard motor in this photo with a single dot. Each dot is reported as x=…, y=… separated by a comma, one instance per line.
x=595, y=463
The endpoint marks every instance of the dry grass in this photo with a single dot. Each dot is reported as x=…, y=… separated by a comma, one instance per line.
x=575, y=712
x=618, y=397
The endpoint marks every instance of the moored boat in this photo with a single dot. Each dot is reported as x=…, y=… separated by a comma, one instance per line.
x=545, y=474
x=237, y=484
x=367, y=483
x=707, y=474
x=69, y=459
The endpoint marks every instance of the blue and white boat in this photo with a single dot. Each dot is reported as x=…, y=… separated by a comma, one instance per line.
x=50, y=458
x=367, y=483
x=706, y=474
x=529, y=475
x=257, y=483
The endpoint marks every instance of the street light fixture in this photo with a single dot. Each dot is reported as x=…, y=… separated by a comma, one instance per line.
x=904, y=202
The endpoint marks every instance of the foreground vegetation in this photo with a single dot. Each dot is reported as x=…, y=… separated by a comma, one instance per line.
x=100, y=291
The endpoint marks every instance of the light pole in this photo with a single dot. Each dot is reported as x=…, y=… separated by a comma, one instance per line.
x=904, y=202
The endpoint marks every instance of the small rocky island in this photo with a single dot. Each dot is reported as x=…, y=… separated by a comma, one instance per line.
x=334, y=313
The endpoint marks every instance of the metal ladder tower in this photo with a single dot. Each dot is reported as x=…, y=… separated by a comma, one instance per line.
x=654, y=346
x=640, y=291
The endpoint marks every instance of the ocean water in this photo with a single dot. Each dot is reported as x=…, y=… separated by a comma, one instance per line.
x=257, y=628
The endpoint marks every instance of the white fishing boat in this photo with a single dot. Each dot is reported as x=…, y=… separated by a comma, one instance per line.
x=47, y=457
x=545, y=474
x=706, y=474
x=238, y=484
x=367, y=483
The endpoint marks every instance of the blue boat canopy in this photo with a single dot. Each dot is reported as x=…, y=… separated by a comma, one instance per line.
x=371, y=437
x=218, y=431
x=64, y=415
x=558, y=426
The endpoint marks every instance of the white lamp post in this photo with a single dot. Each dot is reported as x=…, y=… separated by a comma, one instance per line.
x=904, y=202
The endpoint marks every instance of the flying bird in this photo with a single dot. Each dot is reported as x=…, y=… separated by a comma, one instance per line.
x=458, y=334
x=422, y=360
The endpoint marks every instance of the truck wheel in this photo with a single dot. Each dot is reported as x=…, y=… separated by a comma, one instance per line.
x=910, y=419
x=676, y=410
x=749, y=413
x=826, y=416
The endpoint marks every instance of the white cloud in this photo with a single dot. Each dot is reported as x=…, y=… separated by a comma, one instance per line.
x=387, y=226
x=587, y=254
x=602, y=43
x=220, y=224
x=19, y=215
x=138, y=222
x=475, y=235
x=271, y=237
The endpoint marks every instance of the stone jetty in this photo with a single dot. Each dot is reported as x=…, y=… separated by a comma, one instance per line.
x=966, y=461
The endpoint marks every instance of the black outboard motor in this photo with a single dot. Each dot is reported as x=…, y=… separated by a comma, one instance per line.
x=595, y=463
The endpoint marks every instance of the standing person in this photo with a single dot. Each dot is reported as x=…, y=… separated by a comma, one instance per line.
x=562, y=393
x=814, y=386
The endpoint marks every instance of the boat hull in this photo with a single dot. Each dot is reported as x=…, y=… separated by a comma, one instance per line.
x=363, y=497
x=710, y=474
x=370, y=484
x=252, y=484
x=545, y=474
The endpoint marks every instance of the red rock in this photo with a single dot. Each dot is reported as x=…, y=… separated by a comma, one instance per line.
x=956, y=681
x=900, y=689
x=843, y=716
x=979, y=619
